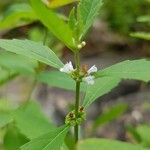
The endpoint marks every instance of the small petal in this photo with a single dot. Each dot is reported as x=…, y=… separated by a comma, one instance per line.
x=92, y=69
x=67, y=68
x=89, y=80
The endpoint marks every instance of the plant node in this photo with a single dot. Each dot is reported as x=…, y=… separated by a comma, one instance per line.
x=71, y=118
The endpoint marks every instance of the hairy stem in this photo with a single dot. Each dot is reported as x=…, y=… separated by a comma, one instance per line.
x=77, y=102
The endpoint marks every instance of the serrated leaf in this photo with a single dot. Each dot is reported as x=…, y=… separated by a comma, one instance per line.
x=17, y=15
x=17, y=63
x=110, y=114
x=57, y=3
x=33, y=50
x=13, y=139
x=135, y=69
x=105, y=144
x=141, y=35
x=101, y=87
x=58, y=79
x=52, y=140
x=54, y=23
x=87, y=11
x=72, y=19
x=30, y=120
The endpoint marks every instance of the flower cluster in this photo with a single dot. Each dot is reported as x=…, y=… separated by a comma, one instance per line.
x=89, y=78
x=73, y=120
x=86, y=75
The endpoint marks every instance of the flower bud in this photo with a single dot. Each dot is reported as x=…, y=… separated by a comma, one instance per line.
x=83, y=43
x=79, y=46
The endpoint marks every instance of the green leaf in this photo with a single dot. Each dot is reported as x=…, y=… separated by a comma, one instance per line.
x=132, y=131
x=30, y=120
x=17, y=15
x=5, y=118
x=141, y=35
x=135, y=69
x=50, y=141
x=6, y=106
x=58, y=79
x=110, y=114
x=70, y=142
x=36, y=34
x=6, y=75
x=72, y=19
x=13, y=139
x=87, y=11
x=55, y=24
x=19, y=64
x=105, y=144
x=6, y=109
x=32, y=50
x=64, y=147
x=144, y=19
x=101, y=87
x=57, y=3
x=144, y=132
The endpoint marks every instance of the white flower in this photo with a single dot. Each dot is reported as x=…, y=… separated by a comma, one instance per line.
x=92, y=69
x=89, y=80
x=67, y=68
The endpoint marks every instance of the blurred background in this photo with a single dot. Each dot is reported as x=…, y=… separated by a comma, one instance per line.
x=120, y=32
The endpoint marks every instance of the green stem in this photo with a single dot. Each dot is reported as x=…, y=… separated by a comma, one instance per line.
x=77, y=102
x=32, y=87
x=76, y=128
x=45, y=36
x=77, y=61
